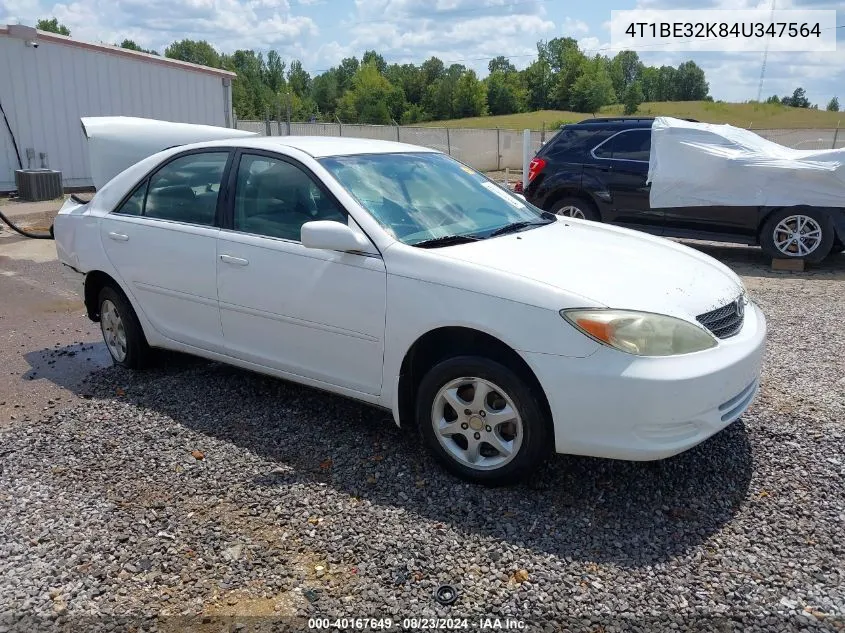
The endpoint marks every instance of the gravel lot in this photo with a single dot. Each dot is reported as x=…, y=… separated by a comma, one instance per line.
x=199, y=497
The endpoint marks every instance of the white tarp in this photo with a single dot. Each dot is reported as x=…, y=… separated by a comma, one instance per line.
x=703, y=164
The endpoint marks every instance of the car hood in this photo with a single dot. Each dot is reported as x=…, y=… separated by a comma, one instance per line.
x=614, y=267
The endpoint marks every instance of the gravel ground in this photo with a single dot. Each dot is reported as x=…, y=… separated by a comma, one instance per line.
x=199, y=497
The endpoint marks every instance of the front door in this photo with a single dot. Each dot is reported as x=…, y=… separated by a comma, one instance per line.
x=312, y=313
x=162, y=241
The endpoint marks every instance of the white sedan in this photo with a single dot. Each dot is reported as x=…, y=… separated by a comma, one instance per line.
x=397, y=276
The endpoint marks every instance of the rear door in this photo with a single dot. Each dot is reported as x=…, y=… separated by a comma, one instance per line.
x=624, y=160
x=162, y=241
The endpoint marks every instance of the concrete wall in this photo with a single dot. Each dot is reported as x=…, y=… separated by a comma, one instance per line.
x=46, y=90
x=496, y=149
x=483, y=149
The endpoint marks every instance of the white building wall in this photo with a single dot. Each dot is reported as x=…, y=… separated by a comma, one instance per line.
x=46, y=90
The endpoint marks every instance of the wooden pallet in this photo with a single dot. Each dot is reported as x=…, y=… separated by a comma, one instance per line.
x=793, y=265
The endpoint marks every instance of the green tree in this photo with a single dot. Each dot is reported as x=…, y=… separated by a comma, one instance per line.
x=505, y=94
x=274, y=72
x=369, y=100
x=593, y=88
x=538, y=78
x=52, y=25
x=325, y=92
x=345, y=72
x=773, y=99
x=625, y=69
x=567, y=61
x=410, y=78
x=470, y=96
x=371, y=57
x=500, y=64
x=432, y=70
x=132, y=46
x=632, y=98
x=194, y=51
x=691, y=82
x=799, y=99
x=298, y=78
x=439, y=100
x=833, y=105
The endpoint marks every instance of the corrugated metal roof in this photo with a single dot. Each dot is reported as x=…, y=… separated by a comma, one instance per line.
x=55, y=38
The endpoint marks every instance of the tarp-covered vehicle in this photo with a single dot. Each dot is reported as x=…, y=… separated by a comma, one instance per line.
x=800, y=193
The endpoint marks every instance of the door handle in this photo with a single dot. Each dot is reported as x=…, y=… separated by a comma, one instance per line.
x=238, y=261
x=119, y=237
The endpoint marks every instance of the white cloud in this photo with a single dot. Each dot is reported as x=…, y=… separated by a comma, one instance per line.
x=574, y=28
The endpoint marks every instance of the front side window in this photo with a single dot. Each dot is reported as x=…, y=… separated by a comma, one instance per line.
x=419, y=197
x=274, y=198
x=629, y=145
x=186, y=189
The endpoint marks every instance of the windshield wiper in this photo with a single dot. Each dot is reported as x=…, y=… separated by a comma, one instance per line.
x=446, y=240
x=517, y=226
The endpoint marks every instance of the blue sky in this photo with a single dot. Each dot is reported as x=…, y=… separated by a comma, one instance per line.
x=321, y=32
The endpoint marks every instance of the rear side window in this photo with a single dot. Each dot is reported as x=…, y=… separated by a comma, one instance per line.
x=186, y=189
x=627, y=145
x=134, y=204
x=573, y=142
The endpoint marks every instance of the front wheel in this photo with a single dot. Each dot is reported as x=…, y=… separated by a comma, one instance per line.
x=806, y=234
x=482, y=421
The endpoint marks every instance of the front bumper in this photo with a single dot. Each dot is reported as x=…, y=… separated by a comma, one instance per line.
x=620, y=406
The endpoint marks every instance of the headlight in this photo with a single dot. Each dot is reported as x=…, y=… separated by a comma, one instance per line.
x=641, y=333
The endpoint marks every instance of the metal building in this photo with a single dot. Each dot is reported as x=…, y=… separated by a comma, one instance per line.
x=48, y=82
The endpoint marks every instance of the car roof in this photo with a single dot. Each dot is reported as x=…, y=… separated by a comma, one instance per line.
x=611, y=122
x=321, y=146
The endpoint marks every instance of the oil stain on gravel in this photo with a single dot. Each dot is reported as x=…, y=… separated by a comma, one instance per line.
x=200, y=497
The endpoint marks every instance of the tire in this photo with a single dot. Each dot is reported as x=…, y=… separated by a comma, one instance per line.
x=784, y=219
x=529, y=436
x=121, y=329
x=584, y=208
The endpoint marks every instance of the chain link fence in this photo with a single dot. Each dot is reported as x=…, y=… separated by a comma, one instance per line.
x=496, y=150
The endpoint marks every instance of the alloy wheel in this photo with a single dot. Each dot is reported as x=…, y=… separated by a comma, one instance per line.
x=114, y=332
x=572, y=212
x=477, y=423
x=797, y=235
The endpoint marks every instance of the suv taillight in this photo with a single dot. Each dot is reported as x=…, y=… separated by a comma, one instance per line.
x=535, y=167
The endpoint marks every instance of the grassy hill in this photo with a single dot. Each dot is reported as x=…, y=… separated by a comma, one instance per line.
x=754, y=115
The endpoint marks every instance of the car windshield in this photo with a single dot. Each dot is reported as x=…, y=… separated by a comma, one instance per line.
x=431, y=199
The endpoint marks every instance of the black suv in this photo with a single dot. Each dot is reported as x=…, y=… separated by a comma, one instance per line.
x=597, y=170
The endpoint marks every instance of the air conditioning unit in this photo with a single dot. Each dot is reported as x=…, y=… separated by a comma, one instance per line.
x=38, y=184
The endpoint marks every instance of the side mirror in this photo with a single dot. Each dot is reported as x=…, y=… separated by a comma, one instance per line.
x=520, y=196
x=332, y=236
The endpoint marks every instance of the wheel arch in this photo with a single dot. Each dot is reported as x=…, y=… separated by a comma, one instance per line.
x=95, y=281
x=450, y=341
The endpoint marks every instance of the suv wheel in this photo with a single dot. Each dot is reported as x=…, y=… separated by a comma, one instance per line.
x=575, y=208
x=790, y=234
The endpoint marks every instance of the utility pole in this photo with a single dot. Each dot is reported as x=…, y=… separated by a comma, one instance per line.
x=765, y=57
x=288, y=113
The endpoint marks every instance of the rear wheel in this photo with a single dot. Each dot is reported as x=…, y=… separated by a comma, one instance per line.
x=806, y=234
x=482, y=421
x=121, y=329
x=573, y=207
